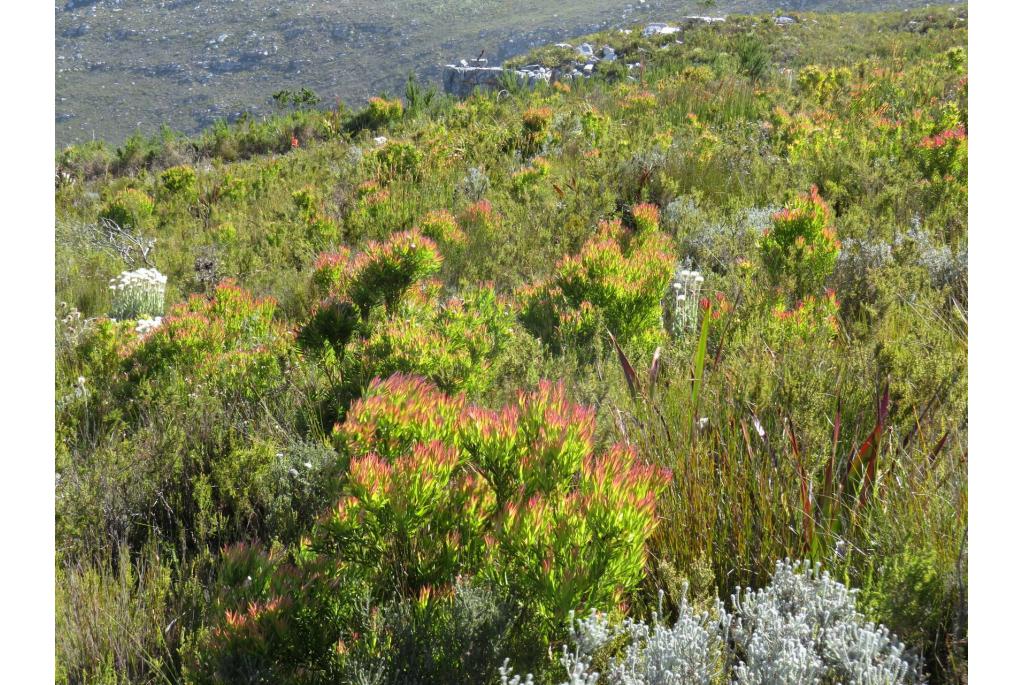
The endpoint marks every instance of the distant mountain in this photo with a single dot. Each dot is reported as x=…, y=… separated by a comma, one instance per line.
x=124, y=66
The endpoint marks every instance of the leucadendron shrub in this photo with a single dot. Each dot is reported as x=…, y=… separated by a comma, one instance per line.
x=458, y=342
x=800, y=247
x=380, y=314
x=436, y=489
x=618, y=279
x=229, y=339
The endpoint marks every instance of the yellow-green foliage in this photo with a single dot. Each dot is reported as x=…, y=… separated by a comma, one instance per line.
x=130, y=208
x=801, y=244
x=435, y=490
x=618, y=276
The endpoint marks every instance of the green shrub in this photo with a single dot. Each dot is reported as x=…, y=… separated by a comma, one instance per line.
x=385, y=271
x=382, y=111
x=397, y=159
x=130, y=208
x=179, y=180
x=437, y=489
x=801, y=245
x=441, y=227
x=457, y=343
x=228, y=338
x=619, y=277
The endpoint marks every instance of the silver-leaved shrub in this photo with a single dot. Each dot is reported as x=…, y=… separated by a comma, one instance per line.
x=802, y=628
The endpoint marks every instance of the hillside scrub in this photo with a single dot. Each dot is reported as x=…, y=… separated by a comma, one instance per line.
x=395, y=392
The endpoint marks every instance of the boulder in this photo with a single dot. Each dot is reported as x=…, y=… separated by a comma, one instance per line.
x=587, y=50
x=783, y=21
x=608, y=54
x=462, y=80
x=658, y=28
x=695, y=20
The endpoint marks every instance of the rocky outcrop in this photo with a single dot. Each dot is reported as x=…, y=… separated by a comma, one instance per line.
x=463, y=78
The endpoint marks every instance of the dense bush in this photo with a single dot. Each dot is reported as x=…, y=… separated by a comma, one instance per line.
x=801, y=244
x=436, y=490
x=618, y=278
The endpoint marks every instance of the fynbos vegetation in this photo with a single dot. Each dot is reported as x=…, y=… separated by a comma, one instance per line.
x=398, y=395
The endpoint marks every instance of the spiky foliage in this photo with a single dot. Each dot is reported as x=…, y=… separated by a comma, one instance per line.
x=230, y=335
x=617, y=276
x=801, y=243
x=436, y=489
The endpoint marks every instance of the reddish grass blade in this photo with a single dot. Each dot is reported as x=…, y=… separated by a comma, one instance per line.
x=627, y=368
x=652, y=375
x=872, y=447
x=938, y=448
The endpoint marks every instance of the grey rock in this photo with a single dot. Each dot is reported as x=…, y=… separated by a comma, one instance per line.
x=608, y=54
x=659, y=29
x=783, y=21
x=461, y=81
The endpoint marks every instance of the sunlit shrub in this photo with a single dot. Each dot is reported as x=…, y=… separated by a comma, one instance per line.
x=384, y=271
x=397, y=158
x=229, y=338
x=130, y=208
x=646, y=217
x=552, y=535
x=527, y=178
x=812, y=320
x=441, y=227
x=455, y=342
x=179, y=180
x=801, y=243
x=437, y=489
x=622, y=277
x=382, y=111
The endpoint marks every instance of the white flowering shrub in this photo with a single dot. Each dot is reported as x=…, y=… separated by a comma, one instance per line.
x=682, y=302
x=802, y=628
x=138, y=294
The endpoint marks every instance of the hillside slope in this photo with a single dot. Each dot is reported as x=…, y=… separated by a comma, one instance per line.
x=127, y=66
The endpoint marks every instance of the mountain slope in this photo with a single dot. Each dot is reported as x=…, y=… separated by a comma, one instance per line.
x=127, y=66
